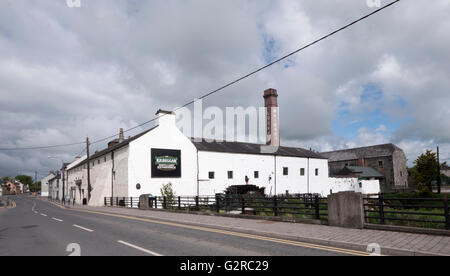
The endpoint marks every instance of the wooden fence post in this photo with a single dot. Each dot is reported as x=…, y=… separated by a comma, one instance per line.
x=447, y=218
x=317, y=206
x=275, y=206
x=381, y=206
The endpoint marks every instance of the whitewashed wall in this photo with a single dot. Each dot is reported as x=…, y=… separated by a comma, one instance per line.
x=337, y=185
x=165, y=136
x=45, y=185
x=241, y=164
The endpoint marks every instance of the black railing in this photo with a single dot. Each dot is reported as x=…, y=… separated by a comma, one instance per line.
x=414, y=212
x=127, y=202
x=298, y=206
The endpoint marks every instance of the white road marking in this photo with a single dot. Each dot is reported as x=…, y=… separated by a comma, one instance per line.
x=60, y=220
x=83, y=228
x=140, y=248
x=34, y=206
x=44, y=215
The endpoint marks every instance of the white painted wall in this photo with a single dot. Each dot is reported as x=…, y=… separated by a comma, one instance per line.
x=241, y=164
x=337, y=185
x=165, y=136
x=44, y=185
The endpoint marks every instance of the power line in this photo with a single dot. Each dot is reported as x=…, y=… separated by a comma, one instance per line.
x=261, y=68
x=41, y=147
x=232, y=82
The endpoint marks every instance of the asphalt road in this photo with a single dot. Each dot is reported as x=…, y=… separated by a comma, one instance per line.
x=39, y=228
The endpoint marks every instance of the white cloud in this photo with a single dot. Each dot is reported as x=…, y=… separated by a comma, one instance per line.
x=68, y=73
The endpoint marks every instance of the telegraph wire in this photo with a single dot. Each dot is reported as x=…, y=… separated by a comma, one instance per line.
x=226, y=85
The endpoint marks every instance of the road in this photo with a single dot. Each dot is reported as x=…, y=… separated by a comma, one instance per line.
x=39, y=228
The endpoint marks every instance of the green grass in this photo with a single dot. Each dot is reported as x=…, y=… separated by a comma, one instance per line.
x=402, y=200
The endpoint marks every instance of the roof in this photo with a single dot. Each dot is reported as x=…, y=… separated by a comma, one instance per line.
x=76, y=162
x=363, y=152
x=249, y=148
x=362, y=172
x=113, y=148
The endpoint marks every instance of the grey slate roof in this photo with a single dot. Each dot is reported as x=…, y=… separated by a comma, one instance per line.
x=115, y=147
x=364, y=152
x=365, y=172
x=249, y=148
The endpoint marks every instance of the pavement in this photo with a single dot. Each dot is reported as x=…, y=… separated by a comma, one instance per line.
x=36, y=227
x=383, y=242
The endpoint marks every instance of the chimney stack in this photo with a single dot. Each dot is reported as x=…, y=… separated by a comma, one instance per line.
x=272, y=121
x=121, y=136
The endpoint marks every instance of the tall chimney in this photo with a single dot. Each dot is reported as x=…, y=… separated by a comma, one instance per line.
x=121, y=137
x=272, y=121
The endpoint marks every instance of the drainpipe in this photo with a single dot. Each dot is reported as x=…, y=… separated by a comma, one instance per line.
x=275, y=177
x=198, y=176
x=308, y=177
x=112, y=174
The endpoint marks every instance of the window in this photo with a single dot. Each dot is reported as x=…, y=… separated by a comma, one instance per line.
x=302, y=171
x=211, y=175
x=98, y=161
x=346, y=164
x=256, y=175
x=360, y=185
x=104, y=159
x=380, y=164
x=285, y=171
x=317, y=172
x=230, y=174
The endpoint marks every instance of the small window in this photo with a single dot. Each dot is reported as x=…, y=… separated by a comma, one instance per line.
x=98, y=161
x=256, y=174
x=285, y=171
x=317, y=172
x=211, y=175
x=346, y=164
x=230, y=174
x=360, y=185
x=302, y=171
x=104, y=159
x=380, y=164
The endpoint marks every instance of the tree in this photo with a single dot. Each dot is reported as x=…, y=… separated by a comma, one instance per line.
x=425, y=168
x=167, y=191
x=6, y=178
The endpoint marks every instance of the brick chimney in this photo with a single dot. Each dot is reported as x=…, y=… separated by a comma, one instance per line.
x=272, y=121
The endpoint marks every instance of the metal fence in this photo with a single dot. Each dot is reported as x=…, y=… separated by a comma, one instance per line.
x=127, y=202
x=415, y=212
x=298, y=206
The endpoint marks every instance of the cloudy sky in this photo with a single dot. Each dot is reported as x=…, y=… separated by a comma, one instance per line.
x=68, y=73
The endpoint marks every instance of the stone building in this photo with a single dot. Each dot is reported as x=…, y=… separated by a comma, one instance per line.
x=389, y=160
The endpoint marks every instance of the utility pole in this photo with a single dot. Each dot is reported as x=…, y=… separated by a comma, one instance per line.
x=438, y=172
x=88, y=169
x=35, y=182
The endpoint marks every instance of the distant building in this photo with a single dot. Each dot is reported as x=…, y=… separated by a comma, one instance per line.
x=388, y=160
x=445, y=170
x=45, y=184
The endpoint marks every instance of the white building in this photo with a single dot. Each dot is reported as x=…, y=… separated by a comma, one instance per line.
x=45, y=184
x=144, y=163
x=55, y=193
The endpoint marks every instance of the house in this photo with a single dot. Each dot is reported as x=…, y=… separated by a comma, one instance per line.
x=445, y=170
x=54, y=188
x=163, y=154
x=10, y=188
x=388, y=160
x=45, y=184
